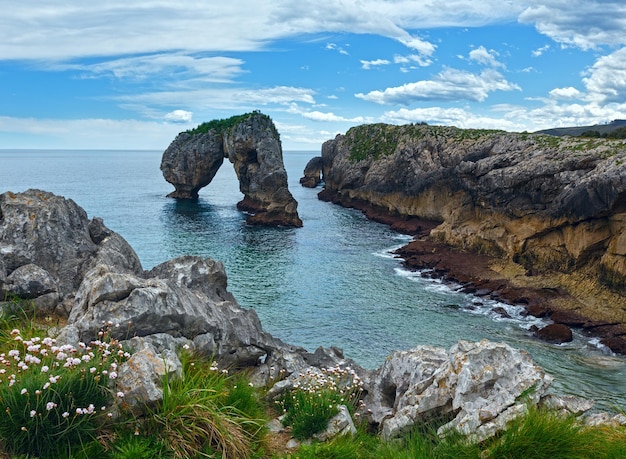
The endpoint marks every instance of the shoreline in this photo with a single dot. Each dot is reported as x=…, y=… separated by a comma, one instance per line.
x=569, y=300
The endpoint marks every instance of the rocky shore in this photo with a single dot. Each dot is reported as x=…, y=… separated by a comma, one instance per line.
x=87, y=276
x=532, y=220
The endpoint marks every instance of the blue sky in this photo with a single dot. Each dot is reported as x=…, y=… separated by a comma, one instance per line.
x=132, y=74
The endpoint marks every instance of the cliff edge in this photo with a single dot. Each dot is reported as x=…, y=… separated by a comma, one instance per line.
x=551, y=211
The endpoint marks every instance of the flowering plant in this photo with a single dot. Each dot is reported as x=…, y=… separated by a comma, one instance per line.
x=314, y=398
x=54, y=396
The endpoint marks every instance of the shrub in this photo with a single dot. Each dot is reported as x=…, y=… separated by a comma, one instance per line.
x=54, y=397
x=313, y=400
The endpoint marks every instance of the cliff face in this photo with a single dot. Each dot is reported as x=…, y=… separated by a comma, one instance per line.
x=252, y=144
x=547, y=203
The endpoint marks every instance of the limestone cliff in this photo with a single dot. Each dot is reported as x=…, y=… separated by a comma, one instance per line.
x=550, y=204
x=252, y=144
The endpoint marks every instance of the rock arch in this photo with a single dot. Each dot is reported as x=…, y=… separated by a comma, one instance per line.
x=252, y=144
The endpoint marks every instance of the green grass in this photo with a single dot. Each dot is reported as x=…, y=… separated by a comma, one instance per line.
x=220, y=126
x=210, y=413
x=197, y=416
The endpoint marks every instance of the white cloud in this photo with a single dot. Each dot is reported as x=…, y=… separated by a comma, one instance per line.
x=412, y=59
x=174, y=66
x=539, y=51
x=375, y=63
x=178, y=116
x=90, y=133
x=216, y=98
x=335, y=47
x=566, y=93
x=319, y=116
x=485, y=57
x=584, y=24
x=448, y=117
x=449, y=85
x=606, y=82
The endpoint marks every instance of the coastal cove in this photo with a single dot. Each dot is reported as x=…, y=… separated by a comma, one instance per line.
x=333, y=282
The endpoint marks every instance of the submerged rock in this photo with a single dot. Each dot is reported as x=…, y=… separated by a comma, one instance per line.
x=252, y=144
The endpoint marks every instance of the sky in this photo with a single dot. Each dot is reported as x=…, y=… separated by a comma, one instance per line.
x=133, y=74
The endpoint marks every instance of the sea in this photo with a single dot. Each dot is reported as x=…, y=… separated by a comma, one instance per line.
x=333, y=282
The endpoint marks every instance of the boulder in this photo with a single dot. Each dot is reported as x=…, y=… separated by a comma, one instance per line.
x=140, y=378
x=479, y=386
x=555, y=333
x=169, y=303
x=48, y=244
x=339, y=425
x=312, y=172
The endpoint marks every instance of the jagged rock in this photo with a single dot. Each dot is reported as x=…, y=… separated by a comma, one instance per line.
x=555, y=333
x=252, y=145
x=143, y=306
x=254, y=148
x=48, y=244
x=551, y=205
x=313, y=172
x=191, y=161
x=605, y=419
x=474, y=383
x=567, y=404
x=387, y=385
x=30, y=281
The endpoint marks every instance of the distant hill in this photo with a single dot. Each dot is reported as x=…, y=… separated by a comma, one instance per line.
x=578, y=130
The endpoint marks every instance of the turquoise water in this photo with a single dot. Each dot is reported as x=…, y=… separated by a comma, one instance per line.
x=332, y=282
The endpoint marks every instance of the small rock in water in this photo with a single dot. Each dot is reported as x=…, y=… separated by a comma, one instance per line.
x=555, y=333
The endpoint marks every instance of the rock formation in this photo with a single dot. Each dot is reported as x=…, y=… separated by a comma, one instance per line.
x=551, y=205
x=252, y=144
x=191, y=161
x=313, y=172
x=49, y=247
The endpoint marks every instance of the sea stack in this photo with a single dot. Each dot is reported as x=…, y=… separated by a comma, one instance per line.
x=252, y=144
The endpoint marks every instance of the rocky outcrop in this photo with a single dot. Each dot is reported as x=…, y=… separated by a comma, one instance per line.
x=478, y=386
x=551, y=205
x=184, y=303
x=312, y=172
x=191, y=161
x=47, y=245
x=252, y=144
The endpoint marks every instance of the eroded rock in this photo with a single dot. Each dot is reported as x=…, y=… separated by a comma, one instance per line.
x=47, y=245
x=312, y=172
x=478, y=385
x=252, y=144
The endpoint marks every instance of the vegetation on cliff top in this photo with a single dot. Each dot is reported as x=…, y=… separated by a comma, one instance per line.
x=377, y=140
x=220, y=126
x=374, y=141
